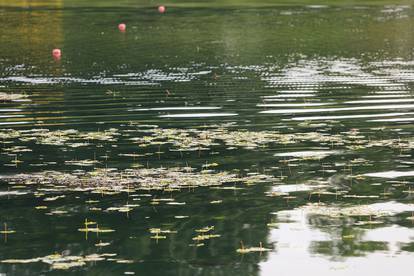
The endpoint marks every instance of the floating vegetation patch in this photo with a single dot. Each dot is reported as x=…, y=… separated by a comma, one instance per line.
x=204, y=234
x=107, y=180
x=69, y=137
x=163, y=140
x=9, y=97
x=397, y=143
x=60, y=262
x=245, y=250
x=159, y=234
x=203, y=139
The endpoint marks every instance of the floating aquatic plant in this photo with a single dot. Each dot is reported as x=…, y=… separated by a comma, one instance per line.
x=11, y=97
x=112, y=181
x=245, y=250
x=60, y=262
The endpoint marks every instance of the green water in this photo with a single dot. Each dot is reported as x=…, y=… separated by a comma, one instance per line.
x=335, y=82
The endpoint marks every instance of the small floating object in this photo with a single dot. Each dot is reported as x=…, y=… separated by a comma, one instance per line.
x=204, y=237
x=158, y=237
x=196, y=244
x=57, y=53
x=181, y=217
x=6, y=231
x=370, y=222
x=96, y=230
x=205, y=229
x=161, y=9
x=53, y=198
x=216, y=201
x=122, y=27
x=89, y=222
x=102, y=244
x=245, y=250
x=159, y=231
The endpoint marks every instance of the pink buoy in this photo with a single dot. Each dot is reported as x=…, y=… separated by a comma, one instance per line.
x=161, y=9
x=56, y=53
x=122, y=27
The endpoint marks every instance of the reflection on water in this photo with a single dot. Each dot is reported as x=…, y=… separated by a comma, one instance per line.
x=333, y=245
x=256, y=141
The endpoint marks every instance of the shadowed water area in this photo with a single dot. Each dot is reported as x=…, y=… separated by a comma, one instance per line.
x=209, y=140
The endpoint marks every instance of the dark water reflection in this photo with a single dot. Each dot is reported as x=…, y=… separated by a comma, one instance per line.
x=344, y=73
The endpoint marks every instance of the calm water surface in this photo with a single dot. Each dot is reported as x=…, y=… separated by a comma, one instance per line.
x=336, y=82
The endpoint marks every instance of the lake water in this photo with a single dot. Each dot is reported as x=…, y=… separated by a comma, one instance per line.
x=231, y=140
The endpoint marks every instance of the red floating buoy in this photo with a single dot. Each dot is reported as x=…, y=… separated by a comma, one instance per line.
x=161, y=9
x=122, y=27
x=56, y=53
